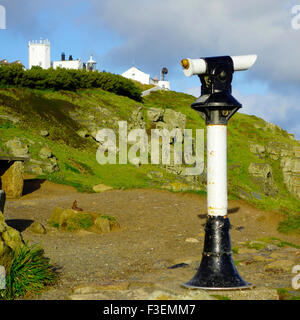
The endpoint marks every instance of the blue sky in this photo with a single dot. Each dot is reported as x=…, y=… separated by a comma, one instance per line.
x=159, y=33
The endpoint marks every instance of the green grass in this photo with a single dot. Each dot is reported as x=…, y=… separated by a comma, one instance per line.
x=28, y=274
x=256, y=245
x=290, y=225
x=287, y=294
x=220, y=297
x=63, y=113
x=278, y=242
x=82, y=221
x=235, y=250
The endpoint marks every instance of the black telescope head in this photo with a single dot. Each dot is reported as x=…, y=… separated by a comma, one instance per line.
x=216, y=104
x=218, y=75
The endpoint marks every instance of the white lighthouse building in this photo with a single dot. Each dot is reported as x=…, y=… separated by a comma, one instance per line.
x=39, y=54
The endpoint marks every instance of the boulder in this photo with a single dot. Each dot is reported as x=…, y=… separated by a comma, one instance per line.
x=101, y=188
x=155, y=114
x=44, y=133
x=13, y=180
x=45, y=153
x=10, y=240
x=37, y=227
x=257, y=149
x=73, y=220
x=17, y=147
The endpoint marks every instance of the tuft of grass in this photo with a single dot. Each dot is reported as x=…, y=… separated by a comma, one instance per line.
x=237, y=262
x=286, y=294
x=257, y=245
x=81, y=221
x=6, y=124
x=29, y=273
x=290, y=225
x=220, y=297
x=235, y=250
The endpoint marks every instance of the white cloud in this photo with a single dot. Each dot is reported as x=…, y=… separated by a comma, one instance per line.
x=283, y=110
x=162, y=32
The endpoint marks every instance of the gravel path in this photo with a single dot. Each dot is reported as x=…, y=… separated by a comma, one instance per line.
x=158, y=229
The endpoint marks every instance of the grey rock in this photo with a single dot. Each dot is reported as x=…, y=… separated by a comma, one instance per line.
x=17, y=147
x=174, y=119
x=256, y=195
x=37, y=227
x=257, y=149
x=45, y=153
x=244, y=195
x=83, y=133
x=155, y=114
x=44, y=133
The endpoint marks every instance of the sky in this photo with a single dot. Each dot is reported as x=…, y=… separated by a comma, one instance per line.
x=159, y=33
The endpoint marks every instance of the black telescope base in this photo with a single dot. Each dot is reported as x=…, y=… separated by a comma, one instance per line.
x=217, y=270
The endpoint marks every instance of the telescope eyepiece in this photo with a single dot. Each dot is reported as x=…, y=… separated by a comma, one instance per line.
x=185, y=63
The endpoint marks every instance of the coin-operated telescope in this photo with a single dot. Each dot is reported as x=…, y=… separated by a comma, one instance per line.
x=216, y=105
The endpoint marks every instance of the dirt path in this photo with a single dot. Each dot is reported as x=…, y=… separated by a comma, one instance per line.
x=155, y=225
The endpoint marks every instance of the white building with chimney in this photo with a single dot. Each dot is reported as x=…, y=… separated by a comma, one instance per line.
x=76, y=64
x=39, y=54
x=136, y=74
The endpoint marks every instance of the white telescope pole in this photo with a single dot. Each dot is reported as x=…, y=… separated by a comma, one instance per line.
x=217, y=170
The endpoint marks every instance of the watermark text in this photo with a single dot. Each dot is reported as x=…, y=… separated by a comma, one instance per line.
x=296, y=17
x=162, y=146
x=2, y=17
x=296, y=279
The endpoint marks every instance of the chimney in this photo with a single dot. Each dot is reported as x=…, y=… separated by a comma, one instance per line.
x=70, y=58
x=63, y=57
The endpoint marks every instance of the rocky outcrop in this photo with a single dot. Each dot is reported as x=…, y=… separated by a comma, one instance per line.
x=261, y=174
x=48, y=164
x=289, y=157
x=17, y=148
x=10, y=240
x=258, y=150
x=166, y=119
x=291, y=174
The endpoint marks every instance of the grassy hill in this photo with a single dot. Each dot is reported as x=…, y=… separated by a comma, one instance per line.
x=73, y=118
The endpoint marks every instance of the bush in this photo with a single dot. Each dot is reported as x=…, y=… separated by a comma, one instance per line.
x=64, y=79
x=28, y=271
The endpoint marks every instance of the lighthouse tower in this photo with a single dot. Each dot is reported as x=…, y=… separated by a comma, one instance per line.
x=39, y=53
x=91, y=64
